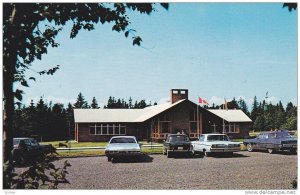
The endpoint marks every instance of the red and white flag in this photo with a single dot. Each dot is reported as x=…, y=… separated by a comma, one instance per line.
x=202, y=101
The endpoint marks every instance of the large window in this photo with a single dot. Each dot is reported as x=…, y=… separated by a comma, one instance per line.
x=231, y=128
x=165, y=127
x=92, y=130
x=107, y=129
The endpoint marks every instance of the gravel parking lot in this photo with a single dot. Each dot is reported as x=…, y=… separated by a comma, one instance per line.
x=243, y=171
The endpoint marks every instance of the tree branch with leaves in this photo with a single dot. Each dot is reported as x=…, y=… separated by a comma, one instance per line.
x=24, y=42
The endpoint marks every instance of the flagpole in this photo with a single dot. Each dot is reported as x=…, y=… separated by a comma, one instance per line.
x=223, y=116
x=198, y=116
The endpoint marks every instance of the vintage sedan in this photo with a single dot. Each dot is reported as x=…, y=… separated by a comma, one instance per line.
x=121, y=146
x=176, y=143
x=28, y=149
x=273, y=141
x=208, y=144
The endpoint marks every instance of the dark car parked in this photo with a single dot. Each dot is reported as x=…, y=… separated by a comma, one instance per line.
x=176, y=143
x=272, y=141
x=28, y=149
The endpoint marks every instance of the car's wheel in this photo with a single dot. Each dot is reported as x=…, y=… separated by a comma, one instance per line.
x=108, y=159
x=293, y=151
x=250, y=147
x=229, y=154
x=168, y=154
x=271, y=150
x=193, y=151
x=207, y=154
x=21, y=160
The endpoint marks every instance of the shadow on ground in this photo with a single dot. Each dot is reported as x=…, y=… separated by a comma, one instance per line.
x=185, y=156
x=144, y=158
x=235, y=155
x=188, y=156
x=285, y=152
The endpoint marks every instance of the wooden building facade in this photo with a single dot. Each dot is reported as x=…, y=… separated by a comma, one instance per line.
x=154, y=123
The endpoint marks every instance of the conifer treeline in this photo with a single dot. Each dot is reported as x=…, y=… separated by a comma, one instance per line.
x=48, y=122
x=266, y=116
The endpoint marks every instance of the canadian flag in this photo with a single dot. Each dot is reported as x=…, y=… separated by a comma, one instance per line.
x=202, y=101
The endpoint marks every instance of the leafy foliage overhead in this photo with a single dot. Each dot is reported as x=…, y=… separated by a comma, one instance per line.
x=291, y=6
x=26, y=38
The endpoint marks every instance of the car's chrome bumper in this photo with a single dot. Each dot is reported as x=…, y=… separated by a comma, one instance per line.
x=224, y=149
x=179, y=151
x=287, y=147
x=122, y=153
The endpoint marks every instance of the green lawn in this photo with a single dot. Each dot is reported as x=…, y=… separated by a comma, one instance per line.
x=91, y=152
x=72, y=144
x=80, y=153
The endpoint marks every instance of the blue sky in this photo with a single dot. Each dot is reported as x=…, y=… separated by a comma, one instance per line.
x=215, y=50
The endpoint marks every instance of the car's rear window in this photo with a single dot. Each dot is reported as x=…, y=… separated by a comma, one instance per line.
x=178, y=138
x=217, y=138
x=279, y=135
x=122, y=140
x=16, y=141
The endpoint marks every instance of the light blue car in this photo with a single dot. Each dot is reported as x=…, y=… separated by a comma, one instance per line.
x=214, y=143
x=120, y=146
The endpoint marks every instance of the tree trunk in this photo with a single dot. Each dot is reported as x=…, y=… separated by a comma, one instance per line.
x=8, y=111
x=9, y=69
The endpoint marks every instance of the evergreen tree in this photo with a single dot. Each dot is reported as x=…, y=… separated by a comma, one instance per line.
x=232, y=104
x=291, y=123
x=42, y=119
x=291, y=110
x=94, y=104
x=70, y=121
x=280, y=107
x=254, y=111
x=279, y=116
x=29, y=117
x=80, y=102
x=268, y=122
x=141, y=104
x=109, y=103
x=243, y=106
x=130, y=103
x=118, y=104
x=289, y=107
x=18, y=121
x=59, y=124
x=136, y=105
x=259, y=124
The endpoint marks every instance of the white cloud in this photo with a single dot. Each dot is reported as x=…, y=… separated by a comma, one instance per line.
x=215, y=100
x=163, y=100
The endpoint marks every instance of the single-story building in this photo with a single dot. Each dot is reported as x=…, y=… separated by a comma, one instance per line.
x=156, y=122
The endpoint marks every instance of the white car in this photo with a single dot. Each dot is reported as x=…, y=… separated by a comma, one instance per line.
x=214, y=143
x=119, y=146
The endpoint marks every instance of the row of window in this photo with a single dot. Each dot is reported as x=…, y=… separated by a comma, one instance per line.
x=232, y=129
x=165, y=127
x=228, y=128
x=107, y=129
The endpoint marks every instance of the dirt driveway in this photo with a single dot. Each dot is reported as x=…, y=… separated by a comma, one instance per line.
x=243, y=171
